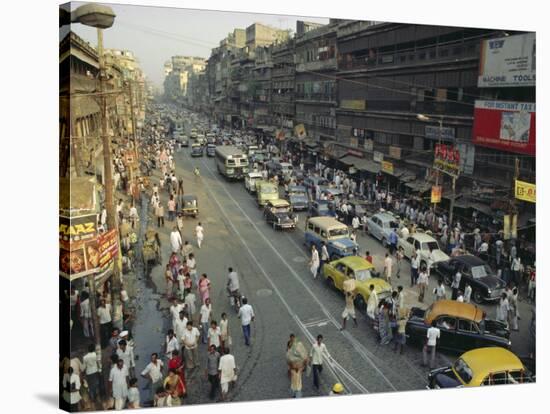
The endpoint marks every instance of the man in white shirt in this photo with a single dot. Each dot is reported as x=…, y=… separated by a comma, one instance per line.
x=71, y=390
x=232, y=284
x=118, y=384
x=153, y=372
x=175, y=310
x=199, y=233
x=227, y=371
x=432, y=335
x=456, y=284
x=467, y=293
x=180, y=325
x=318, y=350
x=206, y=312
x=190, y=339
x=415, y=264
x=175, y=240
x=91, y=368
x=246, y=315
x=86, y=315
x=324, y=256
x=126, y=353
x=171, y=344
x=105, y=321
x=388, y=268
x=214, y=334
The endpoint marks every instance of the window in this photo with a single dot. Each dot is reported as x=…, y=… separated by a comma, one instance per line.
x=341, y=268
x=446, y=322
x=466, y=326
x=310, y=226
x=317, y=230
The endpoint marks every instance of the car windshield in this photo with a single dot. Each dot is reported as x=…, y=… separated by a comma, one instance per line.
x=269, y=190
x=389, y=224
x=480, y=271
x=432, y=245
x=362, y=275
x=342, y=231
x=463, y=370
x=279, y=210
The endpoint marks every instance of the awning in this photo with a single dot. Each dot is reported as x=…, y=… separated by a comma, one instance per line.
x=419, y=185
x=361, y=163
x=77, y=194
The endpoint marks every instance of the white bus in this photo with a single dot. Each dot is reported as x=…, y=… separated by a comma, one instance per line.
x=231, y=162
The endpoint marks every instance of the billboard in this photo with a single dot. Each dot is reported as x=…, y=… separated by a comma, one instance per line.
x=447, y=159
x=507, y=61
x=508, y=126
x=526, y=191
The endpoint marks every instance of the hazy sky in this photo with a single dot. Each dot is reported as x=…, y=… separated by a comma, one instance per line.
x=155, y=34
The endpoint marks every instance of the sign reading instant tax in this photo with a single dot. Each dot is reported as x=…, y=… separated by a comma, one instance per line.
x=526, y=191
x=77, y=228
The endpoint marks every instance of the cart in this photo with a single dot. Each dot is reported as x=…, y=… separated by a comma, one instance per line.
x=189, y=205
x=151, y=250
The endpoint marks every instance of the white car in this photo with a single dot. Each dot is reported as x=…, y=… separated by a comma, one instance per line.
x=422, y=243
x=250, y=181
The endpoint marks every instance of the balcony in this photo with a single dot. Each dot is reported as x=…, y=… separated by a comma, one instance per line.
x=280, y=72
x=317, y=65
x=315, y=97
x=285, y=98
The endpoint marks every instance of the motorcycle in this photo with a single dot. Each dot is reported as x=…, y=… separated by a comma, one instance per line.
x=235, y=299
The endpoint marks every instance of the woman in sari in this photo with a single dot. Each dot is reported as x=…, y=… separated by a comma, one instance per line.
x=176, y=362
x=174, y=386
x=204, y=287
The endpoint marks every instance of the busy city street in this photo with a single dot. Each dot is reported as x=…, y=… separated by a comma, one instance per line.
x=218, y=249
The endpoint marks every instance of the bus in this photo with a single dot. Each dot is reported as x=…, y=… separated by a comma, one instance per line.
x=231, y=161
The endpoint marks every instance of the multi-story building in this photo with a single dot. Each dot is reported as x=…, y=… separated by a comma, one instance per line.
x=316, y=86
x=258, y=34
x=283, y=111
x=177, y=74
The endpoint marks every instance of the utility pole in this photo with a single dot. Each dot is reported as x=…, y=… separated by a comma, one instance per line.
x=108, y=174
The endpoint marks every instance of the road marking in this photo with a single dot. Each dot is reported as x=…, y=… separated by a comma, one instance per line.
x=355, y=343
x=321, y=322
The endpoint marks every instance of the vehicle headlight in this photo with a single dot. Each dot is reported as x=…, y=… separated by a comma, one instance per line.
x=230, y=170
x=489, y=291
x=278, y=219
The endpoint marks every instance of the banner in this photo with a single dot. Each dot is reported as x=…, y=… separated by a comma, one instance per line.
x=447, y=159
x=395, y=152
x=357, y=104
x=436, y=194
x=377, y=156
x=506, y=227
x=526, y=191
x=108, y=248
x=387, y=167
x=508, y=61
x=514, y=229
x=77, y=228
x=508, y=126
x=300, y=131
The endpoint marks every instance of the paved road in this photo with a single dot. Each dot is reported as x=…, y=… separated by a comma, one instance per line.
x=275, y=277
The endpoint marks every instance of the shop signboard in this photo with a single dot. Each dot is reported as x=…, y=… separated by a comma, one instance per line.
x=300, y=131
x=526, y=191
x=77, y=228
x=447, y=159
x=387, y=167
x=436, y=194
x=377, y=156
x=369, y=145
x=395, y=152
x=505, y=125
x=356, y=104
x=436, y=133
x=508, y=62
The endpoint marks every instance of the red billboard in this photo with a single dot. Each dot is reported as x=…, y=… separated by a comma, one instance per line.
x=508, y=126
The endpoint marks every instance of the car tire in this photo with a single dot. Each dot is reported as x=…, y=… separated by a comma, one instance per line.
x=330, y=283
x=477, y=296
x=448, y=280
x=385, y=243
x=360, y=303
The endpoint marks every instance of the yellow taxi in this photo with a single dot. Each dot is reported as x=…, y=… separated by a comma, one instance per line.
x=338, y=272
x=481, y=366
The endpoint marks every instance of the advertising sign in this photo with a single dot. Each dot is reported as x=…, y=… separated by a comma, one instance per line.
x=447, y=159
x=108, y=248
x=526, y=191
x=77, y=259
x=77, y=228
x=369, y=145
x=395, y=152
x=377, y=156
x=357, y=104
x=436, y=133
x=508, y=126
x=436, y=194
x=507, y=61
x=387, y=167
x=300, y=131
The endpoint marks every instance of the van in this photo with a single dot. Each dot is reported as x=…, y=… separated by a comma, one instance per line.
x=334, y=233
x=266, y=191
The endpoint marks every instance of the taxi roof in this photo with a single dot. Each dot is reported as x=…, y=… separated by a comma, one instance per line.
x=356, y=262
x=279, y=203
x=326, y=221
x=484, y=361
x=454, y=308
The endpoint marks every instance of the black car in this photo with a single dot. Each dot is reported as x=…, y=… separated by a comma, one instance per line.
x=197, y=150
x=486, y=286
x=462, y=326
x=278, y=214
x=211, y=150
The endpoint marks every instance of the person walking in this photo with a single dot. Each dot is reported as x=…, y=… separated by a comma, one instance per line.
x=372, y=305
x=455, y=285
x=204, y=288
x=422, y=283
x=118, y=384
x=432, y=335
x=415, y=265
x=246, y=315
x=318, y=350
x=190, y=341
x=324, y=256
x=153, y=373
x=349, y=310
x=171, y=344
x=159, y=213
x=91, y=368
x=314, y=261
x=467, y=293
x=171, y=208
x=439, y=291
x=191, y=263
x=126, y=353
x=513, y=312
x=388, y=263
x=169, y=280
x=212, y=374
x=105, y=321
x=206, y=312
x=401, y=337
x=392, y=239
x=199, y=234
x=175, y=240
x=71, y=391
x=133, y=394
x=86, y=315
x=224, y=332
x=400, y=255
x=227, y=370
x=190, y=303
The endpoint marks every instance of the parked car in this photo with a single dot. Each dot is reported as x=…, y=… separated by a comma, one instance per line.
x=364, y=274
x=322, y=208
x=333, y=233
x=426, y=247
x=331, y=193
x=482, y=366
x=361, y=207
x=463, y=326
x=380, y=226
x=197, y=150
x=279, y=214
x=250, y=180
x=184, y=141
x=486, y=286
x=311, y=182
x=298, y=198
x=211, y=150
